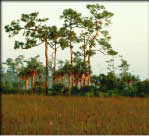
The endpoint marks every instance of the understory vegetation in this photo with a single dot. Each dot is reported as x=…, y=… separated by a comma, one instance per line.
x=137, y=89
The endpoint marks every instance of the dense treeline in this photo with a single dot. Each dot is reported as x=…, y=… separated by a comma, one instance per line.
x=74, y=76
x=27, y=76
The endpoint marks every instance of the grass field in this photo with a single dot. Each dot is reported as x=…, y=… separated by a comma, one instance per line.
x=32, y=114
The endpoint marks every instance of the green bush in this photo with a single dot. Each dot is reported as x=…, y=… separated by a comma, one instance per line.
x=67, y=91
x=87, y=90
x=113, y=92
x=102, y=94
x=75, y=90
x=58, y=89
x=90, y=94
x=13, y=91
x=18, y=84
x=143, y=88
x=39, y=90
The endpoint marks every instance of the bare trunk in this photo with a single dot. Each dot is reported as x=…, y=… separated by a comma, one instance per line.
x=96, y=31
x=82, y=85
x=71, y=56
x=84, y=82
x=70, y=42
x=46, y=55
x=84, y=50
x=33, y=80
x=90, y=47
x=58, y=80
x=55, y=63
x=89, y=63
x=69, y=79
x=72, y=78
x=84, y=57
x=26, y=84
x=89, y=80
x=71, y=53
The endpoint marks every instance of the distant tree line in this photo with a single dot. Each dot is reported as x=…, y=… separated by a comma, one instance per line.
x=27, y=76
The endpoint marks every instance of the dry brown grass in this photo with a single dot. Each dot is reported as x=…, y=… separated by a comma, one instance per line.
x=24, y=114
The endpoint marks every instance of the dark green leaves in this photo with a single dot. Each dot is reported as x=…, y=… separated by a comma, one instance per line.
x=30, y=24
x=18, y=45
x=29, y=17
x=32, y=30
x=104, y=43
x=87, y=23
x=63, y=43
x=90, y=52
x=13, y=29
x=112, y=52
x=98, y=12
x=71, y=18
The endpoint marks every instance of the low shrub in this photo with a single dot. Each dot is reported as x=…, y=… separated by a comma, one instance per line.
x=113, y=92
x=75, y=91
x=58, y=89
x=90, y=94
x=87, y=90
x=67, y=91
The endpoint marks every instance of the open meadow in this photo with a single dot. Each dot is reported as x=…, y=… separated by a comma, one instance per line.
x=34, y=114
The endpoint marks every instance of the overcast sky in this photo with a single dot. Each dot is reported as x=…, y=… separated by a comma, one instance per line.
x=129, y=31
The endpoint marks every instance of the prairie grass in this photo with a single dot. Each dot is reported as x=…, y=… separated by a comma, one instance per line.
x=34, y=114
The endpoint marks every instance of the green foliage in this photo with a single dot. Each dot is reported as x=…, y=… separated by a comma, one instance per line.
x=67, y=91
x=143, y=88
x=98, y=12
x=33, y=30
x=71, y=18
x=87, y=90
x=18, y=85
x=58, y=89
x=5, y=84
x=102, y=94
x=7, y=90
x=114, y=92
x=89, y=94
x=75, y=91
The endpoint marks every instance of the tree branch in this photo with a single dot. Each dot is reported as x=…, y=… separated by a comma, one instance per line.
x=100, y=51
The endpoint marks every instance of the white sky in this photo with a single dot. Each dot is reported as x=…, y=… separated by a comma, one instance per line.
x=129, y=31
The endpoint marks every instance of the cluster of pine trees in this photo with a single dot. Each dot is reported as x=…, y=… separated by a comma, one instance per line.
x=87, y=33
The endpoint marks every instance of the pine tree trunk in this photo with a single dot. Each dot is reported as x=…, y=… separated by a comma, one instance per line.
x=69, y=79
x=58, y=80
x=84, y=58
x=90, y=47
x=26, y=84
x=33, y=80
x=89, y=80
x=47, y=73
x=71, y=53
x=89, y=64
x=82, y=82
x=84, y=51
x=55, y=63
